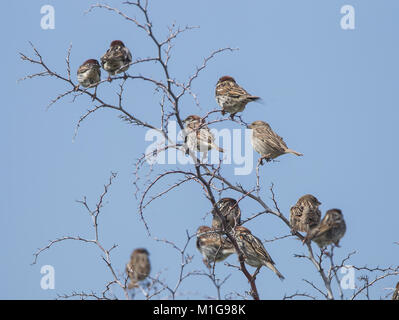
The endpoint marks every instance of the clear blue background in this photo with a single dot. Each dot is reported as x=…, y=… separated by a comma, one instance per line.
x=332, y=94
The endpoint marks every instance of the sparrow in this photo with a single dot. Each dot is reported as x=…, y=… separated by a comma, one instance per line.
x=197, y=136
x=229, y=208
x=212, y=245
x=231, y=97
x=305, y=214
x=253, y=250
x=268, y=143
x=117, y=59
x=89, y=73
x=139, y=267
x=330, y=230
x=395, y=295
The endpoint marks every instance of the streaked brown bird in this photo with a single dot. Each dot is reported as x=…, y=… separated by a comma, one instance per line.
x=330, y=230
x=197, y=135
x=117, y=59
x=212, y=245
x=268, y=143
x=139, y=267
x=231, y=97
x=89, y=73
x=253, y=250
x=395, y=295
x=305, y=214
x=229, y=209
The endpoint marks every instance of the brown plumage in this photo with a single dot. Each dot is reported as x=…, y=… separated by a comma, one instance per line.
x=229, y=208
x=198, y=137
x=212, y=245
x=268, y=143
x=395, y=295
x=330, y=230
x=89, y=73
x=139, y=267
x=253, y=250
x=117, y=59
x=305, y=214
x=231, y=97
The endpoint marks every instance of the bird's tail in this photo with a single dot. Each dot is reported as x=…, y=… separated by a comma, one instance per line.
x=274, y=269
x=294, y=152
x=253, y=98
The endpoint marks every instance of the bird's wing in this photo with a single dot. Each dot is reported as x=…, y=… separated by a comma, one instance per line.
x=312, y=215
x=234, y=90
x=106, y=56
x=128, y=55
x=83, y=68
x=296, y=211
x=114, y=54
x=231, y=89
x=258, y=247
x=204, y=134
x=325, y=225
x=268, y=136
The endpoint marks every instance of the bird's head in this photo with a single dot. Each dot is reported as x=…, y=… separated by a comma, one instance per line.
x=117, y=43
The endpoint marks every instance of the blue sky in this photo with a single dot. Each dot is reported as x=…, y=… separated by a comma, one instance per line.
x=331, y=93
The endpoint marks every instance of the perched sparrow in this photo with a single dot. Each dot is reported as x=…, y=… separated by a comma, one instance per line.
x=213, y=247
x=198, y=137
x=89, y=73
x=267, y=143
x=253, y=250
x=395, y=295
x=229, y=208
x=139, y=267
x=117, y=59
x=305, y=214
x=330, y=230
x=231, y=97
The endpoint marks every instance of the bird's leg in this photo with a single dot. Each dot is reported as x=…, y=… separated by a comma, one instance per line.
x=95, y=93
x=256, y=273
x=76, y=88
x=125, y=76
x=232, y=116
x=109, y=77
x=324, y=251
x=260, y=161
